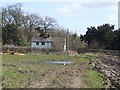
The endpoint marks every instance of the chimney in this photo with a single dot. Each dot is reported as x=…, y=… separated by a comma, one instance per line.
x=49, y=35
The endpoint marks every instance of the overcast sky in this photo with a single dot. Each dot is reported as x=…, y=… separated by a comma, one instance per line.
x=76, y=15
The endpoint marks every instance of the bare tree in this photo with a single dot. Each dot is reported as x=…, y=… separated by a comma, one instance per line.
x=47, y=23
x=30, y=23
x=13, y=14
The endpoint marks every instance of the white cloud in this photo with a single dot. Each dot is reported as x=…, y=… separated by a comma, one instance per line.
x=65, y=11
x=113, y=17
x=98, y=4
x=75, y=5
x=69, y=9
x=78, y=8
x=59, y=1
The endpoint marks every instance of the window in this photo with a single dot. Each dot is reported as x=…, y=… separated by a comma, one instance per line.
x=37, y=43
x=42, y=43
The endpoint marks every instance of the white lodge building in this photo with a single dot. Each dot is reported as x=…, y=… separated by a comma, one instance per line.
x=56, y=43
x=38, y=42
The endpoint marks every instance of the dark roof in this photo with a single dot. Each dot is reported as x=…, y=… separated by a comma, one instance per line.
x=53, y=39
x=41, y=39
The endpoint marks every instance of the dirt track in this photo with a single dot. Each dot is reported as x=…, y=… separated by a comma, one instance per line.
x=52, y=78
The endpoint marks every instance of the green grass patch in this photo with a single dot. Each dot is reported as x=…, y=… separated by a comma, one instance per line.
x=92, y=79
x=24, y=73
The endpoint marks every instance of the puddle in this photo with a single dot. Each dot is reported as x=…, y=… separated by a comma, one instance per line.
x=58, y=62
x=50, y=62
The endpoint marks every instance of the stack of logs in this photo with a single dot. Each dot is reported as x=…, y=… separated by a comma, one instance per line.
x=110, y=67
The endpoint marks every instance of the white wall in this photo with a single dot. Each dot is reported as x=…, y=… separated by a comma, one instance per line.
x=47, y=45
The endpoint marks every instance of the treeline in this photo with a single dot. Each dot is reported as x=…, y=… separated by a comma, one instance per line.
x=102, y=37
x=18, y=27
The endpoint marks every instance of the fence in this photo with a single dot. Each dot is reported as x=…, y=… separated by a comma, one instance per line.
x=29, y=50
x=37, y=50
x=16, y=49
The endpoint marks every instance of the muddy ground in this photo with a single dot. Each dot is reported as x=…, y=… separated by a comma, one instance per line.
x=109, y=65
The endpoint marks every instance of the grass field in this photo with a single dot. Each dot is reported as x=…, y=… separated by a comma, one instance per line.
x=24, y=71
